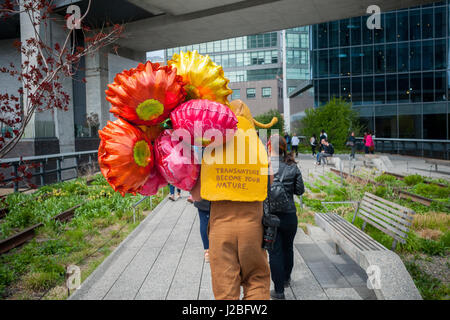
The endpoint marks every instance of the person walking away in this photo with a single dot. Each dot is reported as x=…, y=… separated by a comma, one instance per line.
x=369, y=145
x=281, y=257
x=295, y=142
x=351, y=142
x=327, y=151
x=172, y=192
x=203, y=207
x=313, y=143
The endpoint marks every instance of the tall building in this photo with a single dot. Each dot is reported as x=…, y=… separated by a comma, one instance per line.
x=396, y=77
x=253, y=64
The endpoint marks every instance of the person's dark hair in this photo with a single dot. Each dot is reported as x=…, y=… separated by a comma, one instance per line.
x=322, y=131
x=286, y=157
x=314, y=135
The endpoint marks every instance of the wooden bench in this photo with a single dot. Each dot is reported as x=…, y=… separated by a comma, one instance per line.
x=437, y=162
x=392, y=219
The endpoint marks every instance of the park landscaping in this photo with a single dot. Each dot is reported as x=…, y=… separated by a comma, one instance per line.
x=102, y=220
x=426, y=252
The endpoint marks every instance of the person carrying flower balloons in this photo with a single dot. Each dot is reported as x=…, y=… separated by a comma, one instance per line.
x=163, y=113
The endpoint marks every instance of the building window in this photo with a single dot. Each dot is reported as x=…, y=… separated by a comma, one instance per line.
x=251, y=93
x=236, y=94
x=267, y=92
x=290, y=89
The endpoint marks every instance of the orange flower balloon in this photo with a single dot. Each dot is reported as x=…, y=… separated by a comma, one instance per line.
x=125, y=156
x=145, y=95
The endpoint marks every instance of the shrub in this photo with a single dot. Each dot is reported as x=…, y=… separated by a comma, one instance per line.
x=413, y=179
x=432, y=191
x=336, y=117
x=386, y=179
x=381, y=191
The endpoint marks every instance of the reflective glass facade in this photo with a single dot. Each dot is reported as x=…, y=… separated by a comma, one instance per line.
x=248, y=58
x=396, y=77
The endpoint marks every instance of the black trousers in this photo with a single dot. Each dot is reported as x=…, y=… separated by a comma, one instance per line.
x=281, y=257
x=295, y=148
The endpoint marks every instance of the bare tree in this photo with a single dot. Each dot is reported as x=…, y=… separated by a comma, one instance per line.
x=43, y=66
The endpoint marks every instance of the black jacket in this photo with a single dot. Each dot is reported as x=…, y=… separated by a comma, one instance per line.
x=328, y=149
x=293, y=184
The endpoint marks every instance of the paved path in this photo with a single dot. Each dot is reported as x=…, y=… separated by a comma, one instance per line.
x=163, y=259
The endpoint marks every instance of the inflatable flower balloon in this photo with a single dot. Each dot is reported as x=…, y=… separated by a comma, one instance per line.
x=178, y=168
x=197, y=117
x=145, y=95
x=204, y=79
x=154, y=182
x=125, y=156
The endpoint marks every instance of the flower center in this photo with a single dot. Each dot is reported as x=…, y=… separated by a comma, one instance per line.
x=149, y=109
x=141, y=153
x=191, y=92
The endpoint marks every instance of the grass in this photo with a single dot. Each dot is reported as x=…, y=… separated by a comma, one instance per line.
x=429, y=287
x=96, y=228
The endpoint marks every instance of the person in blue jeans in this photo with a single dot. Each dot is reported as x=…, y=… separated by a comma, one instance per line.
x=172, y=192
x=203, y=207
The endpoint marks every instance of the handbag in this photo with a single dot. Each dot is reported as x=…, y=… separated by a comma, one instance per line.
x=350, y=144
x=278, y=197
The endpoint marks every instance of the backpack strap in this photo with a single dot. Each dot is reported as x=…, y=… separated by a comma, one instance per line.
x=283, y=174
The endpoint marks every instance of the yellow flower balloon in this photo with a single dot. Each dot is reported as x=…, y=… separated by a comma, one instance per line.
x=204, y=78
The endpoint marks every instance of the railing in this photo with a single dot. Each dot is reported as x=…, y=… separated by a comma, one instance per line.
x=56, y=160
x=417, y=147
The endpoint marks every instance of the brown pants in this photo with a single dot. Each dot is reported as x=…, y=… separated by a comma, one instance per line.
x=236, y=255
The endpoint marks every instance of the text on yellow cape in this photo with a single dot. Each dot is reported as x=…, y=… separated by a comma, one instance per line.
x=237, y=170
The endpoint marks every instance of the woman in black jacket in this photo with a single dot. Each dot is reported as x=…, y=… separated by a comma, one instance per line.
x=281, y=257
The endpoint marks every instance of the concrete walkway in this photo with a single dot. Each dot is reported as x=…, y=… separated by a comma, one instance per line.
x=163, y=259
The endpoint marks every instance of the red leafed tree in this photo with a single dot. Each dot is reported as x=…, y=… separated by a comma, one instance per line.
x=43, y=66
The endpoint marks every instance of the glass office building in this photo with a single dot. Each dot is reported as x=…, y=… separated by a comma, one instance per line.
x=396, y=77
x=253, y=64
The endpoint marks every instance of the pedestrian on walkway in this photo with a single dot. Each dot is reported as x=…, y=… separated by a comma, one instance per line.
x=295, y=142
x=313, y=143
x=351, y=142
x=203, y=207
x=369, y=146
x=281, y=257
x=172, y=192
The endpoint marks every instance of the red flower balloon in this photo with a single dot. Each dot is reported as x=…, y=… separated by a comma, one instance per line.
x=145, y=95
x=125, y=156
x=179, y=168
x=154, y=182
x=199, y=116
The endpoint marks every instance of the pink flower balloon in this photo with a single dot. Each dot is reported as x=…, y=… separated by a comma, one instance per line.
x=201, y=116
x=176, y=161
x=153, y=183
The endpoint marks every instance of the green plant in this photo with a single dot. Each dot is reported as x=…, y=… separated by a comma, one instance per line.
x=432, y=191
x=381, y=191
x=336, y=117
x=413, y=179
x=430, y=288
x=386, y=179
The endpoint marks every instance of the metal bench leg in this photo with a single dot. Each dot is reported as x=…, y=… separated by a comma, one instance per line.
x=363, y=226
x=394, y=244
x=337, y=250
